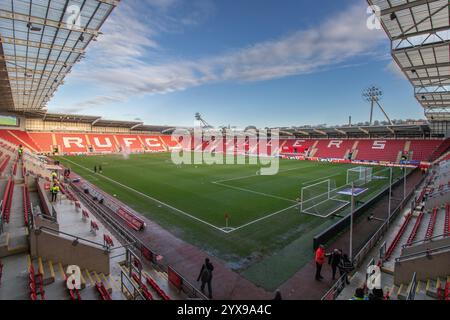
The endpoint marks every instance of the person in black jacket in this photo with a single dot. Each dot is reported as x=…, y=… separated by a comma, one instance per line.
x=206, y=276
x=277, y=295
x=334, y=259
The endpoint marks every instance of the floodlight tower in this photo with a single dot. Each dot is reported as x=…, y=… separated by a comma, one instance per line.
x=373, y=95
x=203, y=123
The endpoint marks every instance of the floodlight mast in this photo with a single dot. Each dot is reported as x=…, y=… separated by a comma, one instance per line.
x=203, y=123
x=373, y=95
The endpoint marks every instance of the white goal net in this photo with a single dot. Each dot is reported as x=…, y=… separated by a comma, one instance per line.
x=321, y=199
x=359, y=176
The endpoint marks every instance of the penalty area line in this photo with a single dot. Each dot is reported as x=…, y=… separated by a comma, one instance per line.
x=255, y=192
x=263, y=218
x=255, y=175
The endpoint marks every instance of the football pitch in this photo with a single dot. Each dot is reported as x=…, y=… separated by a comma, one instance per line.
x=250, y=221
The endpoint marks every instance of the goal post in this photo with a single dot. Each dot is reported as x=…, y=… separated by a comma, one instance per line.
x=321, y=199
x=314, y=193
x=359, y=176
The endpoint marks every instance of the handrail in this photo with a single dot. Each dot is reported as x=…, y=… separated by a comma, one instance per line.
x=47, y=217
x=1, y=216
x=77, y=238
x=424, y=252
x=447, y=234
x=336, y=289
x=136, y=289
x=192, y=289
x=412, y=288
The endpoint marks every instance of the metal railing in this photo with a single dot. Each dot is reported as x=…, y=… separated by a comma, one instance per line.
x=74, y=237
x=412, y=288
x=447, y=234
x=336, y=289
x=426, y=252
x=135, y=244
x=1, y=216
x=134, y=292
x=188, y=288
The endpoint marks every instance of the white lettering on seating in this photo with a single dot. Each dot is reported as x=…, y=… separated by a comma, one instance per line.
x=129, y=141
x=379, y=145
x=335, y=143
x=152, y=142
x=298, y=143
x=69, y=141
x=107, y=143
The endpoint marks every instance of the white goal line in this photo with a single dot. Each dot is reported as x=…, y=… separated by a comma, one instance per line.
x=343, y=205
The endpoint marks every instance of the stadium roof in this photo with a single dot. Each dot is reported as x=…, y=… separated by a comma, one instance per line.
x=40, y=45
x=419, y=31
x=96, y=121
x=382, y=130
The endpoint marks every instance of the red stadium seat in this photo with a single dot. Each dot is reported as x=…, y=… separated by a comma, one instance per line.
x=333, y=148
x=103, y=142
x=132, y=143
x=25, y=140
x=422, y=150
x=71, y=143
x=296, y=146
x=380, y=150
x=104, y=294
x=398, y=236
x=43, y=140
x=153, y=143
x=131, y=219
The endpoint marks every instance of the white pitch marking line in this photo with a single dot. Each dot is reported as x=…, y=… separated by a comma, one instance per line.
x=254, y=175
x=151, y=198
x=255, y=192
x=263, y=218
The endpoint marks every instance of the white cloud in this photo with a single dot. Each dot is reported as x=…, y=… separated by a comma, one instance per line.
x=128, y=61
x=393, y=68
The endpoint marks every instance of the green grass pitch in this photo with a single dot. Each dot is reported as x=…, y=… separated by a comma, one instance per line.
x=266, y=232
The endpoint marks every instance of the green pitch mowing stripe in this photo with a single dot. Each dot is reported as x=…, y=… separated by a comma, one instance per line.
x=265, y=220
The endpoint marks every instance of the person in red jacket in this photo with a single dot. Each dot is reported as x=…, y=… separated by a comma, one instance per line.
x=320, y=260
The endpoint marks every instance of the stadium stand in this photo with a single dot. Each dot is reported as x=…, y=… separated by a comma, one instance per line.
x=333, y=148
x=422, y=150
x=45, y=276
x=71, y=143
x=43, y=140
x=7, y=136
x=103, y=142
x=443, y=149
x=362, y=149
x=380, y=150
x=25, y=139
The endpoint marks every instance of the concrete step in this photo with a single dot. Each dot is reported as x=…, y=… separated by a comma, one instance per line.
x=14, y=282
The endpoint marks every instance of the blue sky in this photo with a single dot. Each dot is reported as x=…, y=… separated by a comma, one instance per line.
x=248, y=62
